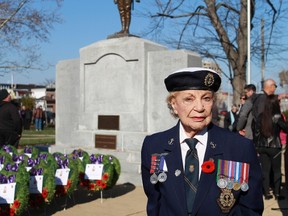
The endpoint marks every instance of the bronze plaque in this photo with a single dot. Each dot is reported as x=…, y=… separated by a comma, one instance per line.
x=105, y=141
x=108, y=122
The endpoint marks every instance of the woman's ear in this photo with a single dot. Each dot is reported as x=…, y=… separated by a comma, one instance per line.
x=173, y=105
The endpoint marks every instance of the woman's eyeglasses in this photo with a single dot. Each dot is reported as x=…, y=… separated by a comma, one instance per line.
x=243, y=98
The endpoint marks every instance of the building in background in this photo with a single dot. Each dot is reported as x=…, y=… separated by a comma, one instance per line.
x=43, y=95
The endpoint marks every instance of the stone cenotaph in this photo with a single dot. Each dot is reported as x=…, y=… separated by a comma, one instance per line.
x=114, y=95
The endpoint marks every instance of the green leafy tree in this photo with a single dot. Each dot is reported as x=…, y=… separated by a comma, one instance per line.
x=28, y=102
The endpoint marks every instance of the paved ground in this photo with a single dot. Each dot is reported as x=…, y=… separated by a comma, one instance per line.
x=123, y=200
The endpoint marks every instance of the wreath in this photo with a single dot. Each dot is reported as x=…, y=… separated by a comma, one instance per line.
x=81, y=155
x=15, y=173
x=66, y=162
x=109, y=176
x=43, y=166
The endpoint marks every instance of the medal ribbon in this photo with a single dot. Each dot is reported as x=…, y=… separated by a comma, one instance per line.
x=237, y=172
x=153, y=163
x=242, y=172
x=161, y=165
x=218, y=170
x=222, y=169
x=245, y=172
x=233, y=170
x=230, y=169
x=226, y=168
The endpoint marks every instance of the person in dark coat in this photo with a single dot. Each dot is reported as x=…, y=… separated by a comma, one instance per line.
x=245, y=116
x=268, y=144
x=182, y=179
x=26, y=114
x=10, y=121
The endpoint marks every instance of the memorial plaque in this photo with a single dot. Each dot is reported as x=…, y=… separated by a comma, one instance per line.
x=105, y=141
x=108, y=122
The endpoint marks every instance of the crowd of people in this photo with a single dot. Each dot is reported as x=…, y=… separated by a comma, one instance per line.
x=260, y=119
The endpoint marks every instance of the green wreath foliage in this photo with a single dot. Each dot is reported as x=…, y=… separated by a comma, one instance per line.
x=31, y=158
x=27, y=150
x=73, y=178
x=109, y=173
x=21, y=189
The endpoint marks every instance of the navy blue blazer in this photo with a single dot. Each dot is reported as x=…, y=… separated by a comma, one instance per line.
x=168, y=198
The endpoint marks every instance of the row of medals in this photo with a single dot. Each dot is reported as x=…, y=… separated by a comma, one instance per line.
x=162, y=177
x=232, y=184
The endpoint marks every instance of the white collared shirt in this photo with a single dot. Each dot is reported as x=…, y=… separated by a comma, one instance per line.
x=202, y=137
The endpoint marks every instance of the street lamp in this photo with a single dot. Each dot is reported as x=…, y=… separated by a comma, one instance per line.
x=248, y=42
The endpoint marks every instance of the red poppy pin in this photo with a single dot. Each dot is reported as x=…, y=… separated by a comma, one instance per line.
x=208, y=166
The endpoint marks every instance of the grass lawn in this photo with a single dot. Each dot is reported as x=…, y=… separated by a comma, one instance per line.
x=32, y=137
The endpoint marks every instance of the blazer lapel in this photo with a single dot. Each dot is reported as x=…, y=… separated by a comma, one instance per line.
x=213, y=151
x=175, y=166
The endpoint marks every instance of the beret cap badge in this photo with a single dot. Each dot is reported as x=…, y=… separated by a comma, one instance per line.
x=209, y=80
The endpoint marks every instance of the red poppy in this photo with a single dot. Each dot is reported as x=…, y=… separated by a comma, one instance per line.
x=98, y=182
x=208, y=166
x=68, y=183
x=16, y=204
x=103, y=185
x=12, y=211
x=44, y=193
x=92, y=186
x=105, y=177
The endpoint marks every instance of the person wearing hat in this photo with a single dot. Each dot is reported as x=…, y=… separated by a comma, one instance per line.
x=196, y=167
x=10, y=121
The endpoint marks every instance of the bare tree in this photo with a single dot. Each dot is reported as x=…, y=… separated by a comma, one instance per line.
x=283, y=75
x=24, y=24
x=49, y=83
x=217, y=30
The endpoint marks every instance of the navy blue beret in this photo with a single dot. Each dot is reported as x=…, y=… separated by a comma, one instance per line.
x=193, y=78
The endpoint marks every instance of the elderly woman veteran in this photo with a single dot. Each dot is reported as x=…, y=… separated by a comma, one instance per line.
x=195, y=167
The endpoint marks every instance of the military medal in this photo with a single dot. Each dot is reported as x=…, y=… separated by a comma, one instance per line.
x=230, y=180
x=244, y=184
x=232, y=175
x=230, y=184
x=154, y=168
x=236, y=186
x=226, y=200
x=222, y=183
x=154, y=178
x=162, y=177
x=157, y=168
x=221, y=177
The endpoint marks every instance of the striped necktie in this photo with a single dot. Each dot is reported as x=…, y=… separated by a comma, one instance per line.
x=191, y=173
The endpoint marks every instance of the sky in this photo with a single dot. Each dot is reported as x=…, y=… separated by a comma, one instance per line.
x=84, y=22
x=89, y=21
